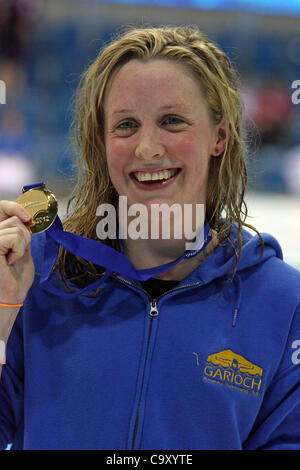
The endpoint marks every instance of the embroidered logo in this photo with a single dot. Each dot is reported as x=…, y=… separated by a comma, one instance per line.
x=234, y=371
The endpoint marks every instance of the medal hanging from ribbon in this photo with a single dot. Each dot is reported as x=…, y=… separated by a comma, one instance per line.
x=43, y=208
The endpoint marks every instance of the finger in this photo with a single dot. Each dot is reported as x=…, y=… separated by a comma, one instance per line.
x=12, y=223
x=24, y=255
x=10, y=231
x=13, y=246
x=10, y=208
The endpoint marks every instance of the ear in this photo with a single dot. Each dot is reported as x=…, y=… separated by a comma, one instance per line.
x=222, y=135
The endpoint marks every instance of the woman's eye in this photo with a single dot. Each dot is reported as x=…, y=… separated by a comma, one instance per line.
x=126, y=126
x=173, y=121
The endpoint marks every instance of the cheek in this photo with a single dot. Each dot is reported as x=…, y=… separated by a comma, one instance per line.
x=194, y=154
x=191, y=152
x=117, y=156
x=184, y=149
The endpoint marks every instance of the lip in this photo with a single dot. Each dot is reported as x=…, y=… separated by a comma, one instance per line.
x=154, y=170
x=154, y=186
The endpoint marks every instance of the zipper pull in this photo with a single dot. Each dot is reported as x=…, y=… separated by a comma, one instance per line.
x=153, y=308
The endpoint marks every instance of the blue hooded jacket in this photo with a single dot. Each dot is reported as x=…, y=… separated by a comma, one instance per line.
x=198, y=368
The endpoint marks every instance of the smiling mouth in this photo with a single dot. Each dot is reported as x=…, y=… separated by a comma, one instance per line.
x=155, y=177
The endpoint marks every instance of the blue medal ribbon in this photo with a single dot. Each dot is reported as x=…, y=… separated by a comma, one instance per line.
x=100, y=254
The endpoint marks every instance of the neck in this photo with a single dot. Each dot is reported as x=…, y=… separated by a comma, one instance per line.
x=145, y=254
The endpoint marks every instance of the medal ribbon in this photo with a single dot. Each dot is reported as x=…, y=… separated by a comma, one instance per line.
x=102, y=255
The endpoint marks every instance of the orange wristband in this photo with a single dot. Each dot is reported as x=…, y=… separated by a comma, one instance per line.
x=11, y=305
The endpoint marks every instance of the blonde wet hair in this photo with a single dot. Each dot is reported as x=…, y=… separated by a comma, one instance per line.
x=218, y=80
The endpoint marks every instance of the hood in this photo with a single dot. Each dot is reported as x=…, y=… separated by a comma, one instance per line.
x=223, y=258
x=220, y=263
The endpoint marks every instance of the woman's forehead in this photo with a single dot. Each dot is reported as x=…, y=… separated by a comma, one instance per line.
x=173, y=83
x=160, y=66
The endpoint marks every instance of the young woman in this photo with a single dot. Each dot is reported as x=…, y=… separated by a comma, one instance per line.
x=200, y=356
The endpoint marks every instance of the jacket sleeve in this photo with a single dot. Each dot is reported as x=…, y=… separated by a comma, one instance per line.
x=11, y=388
x=277, y=426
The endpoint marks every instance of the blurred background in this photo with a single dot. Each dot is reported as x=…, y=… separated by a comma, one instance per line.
x=46, y=44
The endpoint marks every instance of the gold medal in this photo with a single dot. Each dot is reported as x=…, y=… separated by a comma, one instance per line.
x=41, y=205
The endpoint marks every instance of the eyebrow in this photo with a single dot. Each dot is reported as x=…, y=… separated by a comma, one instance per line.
x=162, y=108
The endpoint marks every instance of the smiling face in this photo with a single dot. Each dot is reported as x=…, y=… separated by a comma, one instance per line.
x=159, y=137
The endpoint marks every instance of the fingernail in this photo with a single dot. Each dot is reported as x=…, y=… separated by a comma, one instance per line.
x=26, y=216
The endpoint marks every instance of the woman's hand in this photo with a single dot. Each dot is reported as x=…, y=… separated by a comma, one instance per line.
x=16, y=263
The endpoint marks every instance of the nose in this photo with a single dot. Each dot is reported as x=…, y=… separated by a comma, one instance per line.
x=149, y=146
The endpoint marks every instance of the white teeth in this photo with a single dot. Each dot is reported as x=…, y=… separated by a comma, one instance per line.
x=159, y=175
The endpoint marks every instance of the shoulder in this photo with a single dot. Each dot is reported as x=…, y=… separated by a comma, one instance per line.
x=270, y=271
x=263, y=273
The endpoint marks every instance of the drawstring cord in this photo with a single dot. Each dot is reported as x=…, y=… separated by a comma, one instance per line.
x=238, y=283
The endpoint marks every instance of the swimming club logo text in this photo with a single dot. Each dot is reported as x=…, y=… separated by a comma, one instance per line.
x=234, y=371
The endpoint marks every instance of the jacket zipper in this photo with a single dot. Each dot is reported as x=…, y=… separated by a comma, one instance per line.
x=153, y=312
x=160, y=296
